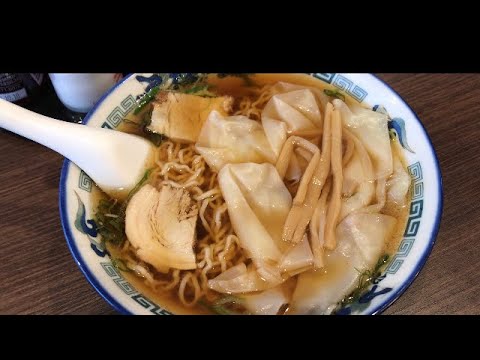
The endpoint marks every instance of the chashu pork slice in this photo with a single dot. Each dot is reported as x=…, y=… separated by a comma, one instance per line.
x=160, y=225
x=181, y=116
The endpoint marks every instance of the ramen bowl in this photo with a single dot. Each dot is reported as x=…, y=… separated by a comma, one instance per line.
x=77, y=198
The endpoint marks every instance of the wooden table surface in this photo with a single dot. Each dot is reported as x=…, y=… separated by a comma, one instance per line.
x=39, y=276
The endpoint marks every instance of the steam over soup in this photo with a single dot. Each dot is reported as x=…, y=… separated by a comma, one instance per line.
x=271, y=194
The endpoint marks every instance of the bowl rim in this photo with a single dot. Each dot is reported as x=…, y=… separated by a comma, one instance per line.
x=438, y=216
x=107, y=296
x=67, y=231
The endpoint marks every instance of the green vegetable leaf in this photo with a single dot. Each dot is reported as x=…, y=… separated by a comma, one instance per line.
x=196, y=89
x=110, y=215
x=200, y=90
x=220, y=306
x=222, y=310
x=120, y=265
x=112, y=229
x=139, y=185
x=149, y=96
x=334, y=93
x=366, y=279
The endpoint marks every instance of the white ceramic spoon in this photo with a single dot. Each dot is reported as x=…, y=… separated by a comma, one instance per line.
x=116, y=161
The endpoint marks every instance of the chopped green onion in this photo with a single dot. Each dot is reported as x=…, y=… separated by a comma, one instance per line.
x=196, y=89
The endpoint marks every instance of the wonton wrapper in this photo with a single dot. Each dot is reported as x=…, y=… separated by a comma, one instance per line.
x=293, y=108
x=360, y=243
x=321, y=97
x=356, y=185
x=371, y=128
x=289, y=112
x=239, y=279
x=298, y=259
x=233, y=139
x=398, y=184
x=267, y=302
x=237, y=139
x=258, y=204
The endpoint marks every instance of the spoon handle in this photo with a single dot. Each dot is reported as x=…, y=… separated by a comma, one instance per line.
x=57, y=135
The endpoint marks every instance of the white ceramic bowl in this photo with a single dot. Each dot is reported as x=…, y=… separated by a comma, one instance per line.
x=422, y=226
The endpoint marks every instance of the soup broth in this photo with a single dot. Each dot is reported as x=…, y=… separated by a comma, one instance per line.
x=159, y=286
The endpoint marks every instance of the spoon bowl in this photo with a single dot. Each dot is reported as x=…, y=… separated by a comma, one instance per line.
x=115, y=161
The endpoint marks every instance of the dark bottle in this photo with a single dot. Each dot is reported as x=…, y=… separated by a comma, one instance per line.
x=21, y=88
